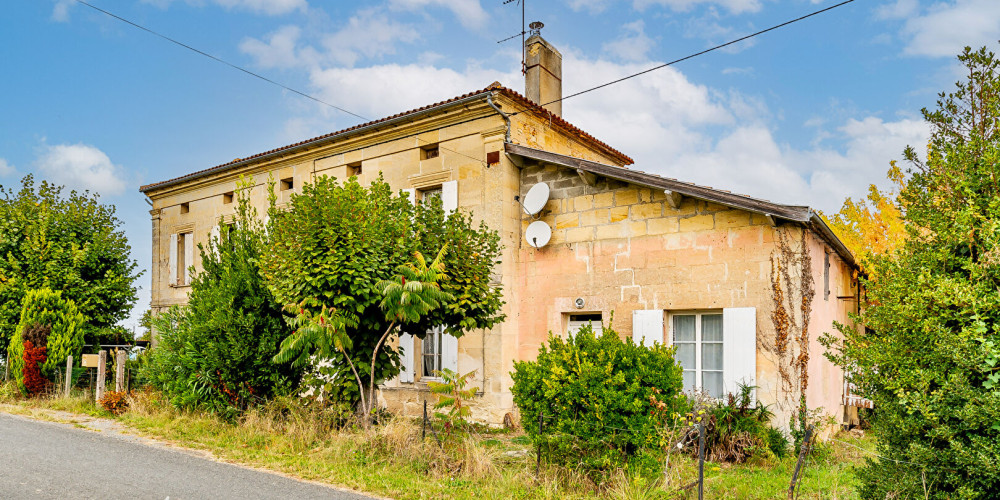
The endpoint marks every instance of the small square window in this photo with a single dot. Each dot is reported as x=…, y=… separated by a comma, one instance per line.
x=185, y=208
x=428, y=152
x=227, y=198
x=354, y=169
x=427, y=194
x=288, y=183
x=577, y=321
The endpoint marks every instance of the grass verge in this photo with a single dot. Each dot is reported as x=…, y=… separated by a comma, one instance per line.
x=391, y=459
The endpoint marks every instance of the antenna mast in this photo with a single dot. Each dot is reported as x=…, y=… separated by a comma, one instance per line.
x=522, y=33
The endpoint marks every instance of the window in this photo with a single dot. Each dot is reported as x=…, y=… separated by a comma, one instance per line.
x=427, y=194
x=431, y=350
x=354, y=169
x=428, y=152
x=185, y=208
x=227, y=198
x=700, y=351
x=181, y=255
x=287, y=184
x=577, y=321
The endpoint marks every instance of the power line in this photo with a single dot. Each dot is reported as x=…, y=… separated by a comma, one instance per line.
x=251, y=73
x=685, y=58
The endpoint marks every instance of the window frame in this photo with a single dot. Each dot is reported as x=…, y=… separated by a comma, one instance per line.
x=437, y=355
x=698, y=342
x=569, y=321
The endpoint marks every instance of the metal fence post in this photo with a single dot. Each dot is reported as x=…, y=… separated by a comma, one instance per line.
x=423, y=423
x=69, y=373
x=803, y=451
x=701, y=460
x=538, y=455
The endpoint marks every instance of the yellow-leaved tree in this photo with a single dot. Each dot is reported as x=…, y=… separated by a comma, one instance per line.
x=873, y=225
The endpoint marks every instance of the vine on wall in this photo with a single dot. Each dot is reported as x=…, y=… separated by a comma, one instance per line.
x=793, y=289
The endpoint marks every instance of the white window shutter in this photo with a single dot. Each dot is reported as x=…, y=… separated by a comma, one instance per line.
x=739, y=333
x=172, y=266
x=449, y=197
x=449, y=352
x=412, y=193
x=647, y=326
x=406, y=357
x=215, y=237
x=188, y=256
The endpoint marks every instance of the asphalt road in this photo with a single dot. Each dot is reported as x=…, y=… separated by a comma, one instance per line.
x=43, y=460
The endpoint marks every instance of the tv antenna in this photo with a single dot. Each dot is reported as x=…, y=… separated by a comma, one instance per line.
x=521, y=34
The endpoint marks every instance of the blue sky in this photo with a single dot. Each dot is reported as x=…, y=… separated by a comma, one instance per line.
x=808, y=114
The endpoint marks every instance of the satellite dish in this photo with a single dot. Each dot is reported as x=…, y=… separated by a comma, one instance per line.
x=536, y=198
x=538, y=234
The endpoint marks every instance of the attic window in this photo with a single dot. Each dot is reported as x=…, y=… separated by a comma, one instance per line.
x=354, y=169
x=287, y=184
x=227, y=198
x=430, y=151
x=185, y=208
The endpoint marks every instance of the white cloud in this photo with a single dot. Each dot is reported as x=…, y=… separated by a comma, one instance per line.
x=367, y=34
x=268, y=7
x=943, y=29
x=60, y=12
x=900, y=9
x=469, y=12
x=81, y=167
x=6, y=169
x=633, y=45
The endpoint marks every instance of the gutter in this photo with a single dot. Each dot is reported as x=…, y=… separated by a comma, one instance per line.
x=819, y=225
x=319, y=141
x=506, y=117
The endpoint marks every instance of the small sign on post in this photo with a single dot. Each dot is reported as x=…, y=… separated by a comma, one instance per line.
x=89, y=360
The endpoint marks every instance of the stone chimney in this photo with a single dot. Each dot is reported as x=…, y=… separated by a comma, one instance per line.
x=542, y=71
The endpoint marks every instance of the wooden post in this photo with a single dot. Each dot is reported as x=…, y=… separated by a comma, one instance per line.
x=69, y=373
x=102, y=365
x=120, y=370
x=803, y=451
x=701, y=460
x=423, y=423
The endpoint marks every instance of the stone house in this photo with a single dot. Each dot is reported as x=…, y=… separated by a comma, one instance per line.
x=743, y=287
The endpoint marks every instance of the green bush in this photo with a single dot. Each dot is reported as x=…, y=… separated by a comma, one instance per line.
x=215, y=353
x=595, y=395
x=45, y=307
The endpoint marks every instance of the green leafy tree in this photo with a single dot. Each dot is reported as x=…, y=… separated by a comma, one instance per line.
x=332, y=257
x=216, y=352
x=452, y=394
x=600, y=398
x=930, y=355
x=47, y=308
x=72, y=244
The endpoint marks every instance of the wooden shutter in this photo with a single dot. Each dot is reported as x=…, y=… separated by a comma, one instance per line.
x=172, y=266
x=406, y=357
x=449, y=197
x=413, y=194
x=449, y=352
x=739, y=337
x=188, y=256
x=215, y=238
x=647, y=326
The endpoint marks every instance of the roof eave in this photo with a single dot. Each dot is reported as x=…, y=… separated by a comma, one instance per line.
x=795, y=213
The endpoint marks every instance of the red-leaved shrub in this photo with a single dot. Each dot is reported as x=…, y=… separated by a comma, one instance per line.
x=34, y=383
x=115, y=402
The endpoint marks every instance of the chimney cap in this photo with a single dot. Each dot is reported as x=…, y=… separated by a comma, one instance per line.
x=536, y=27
